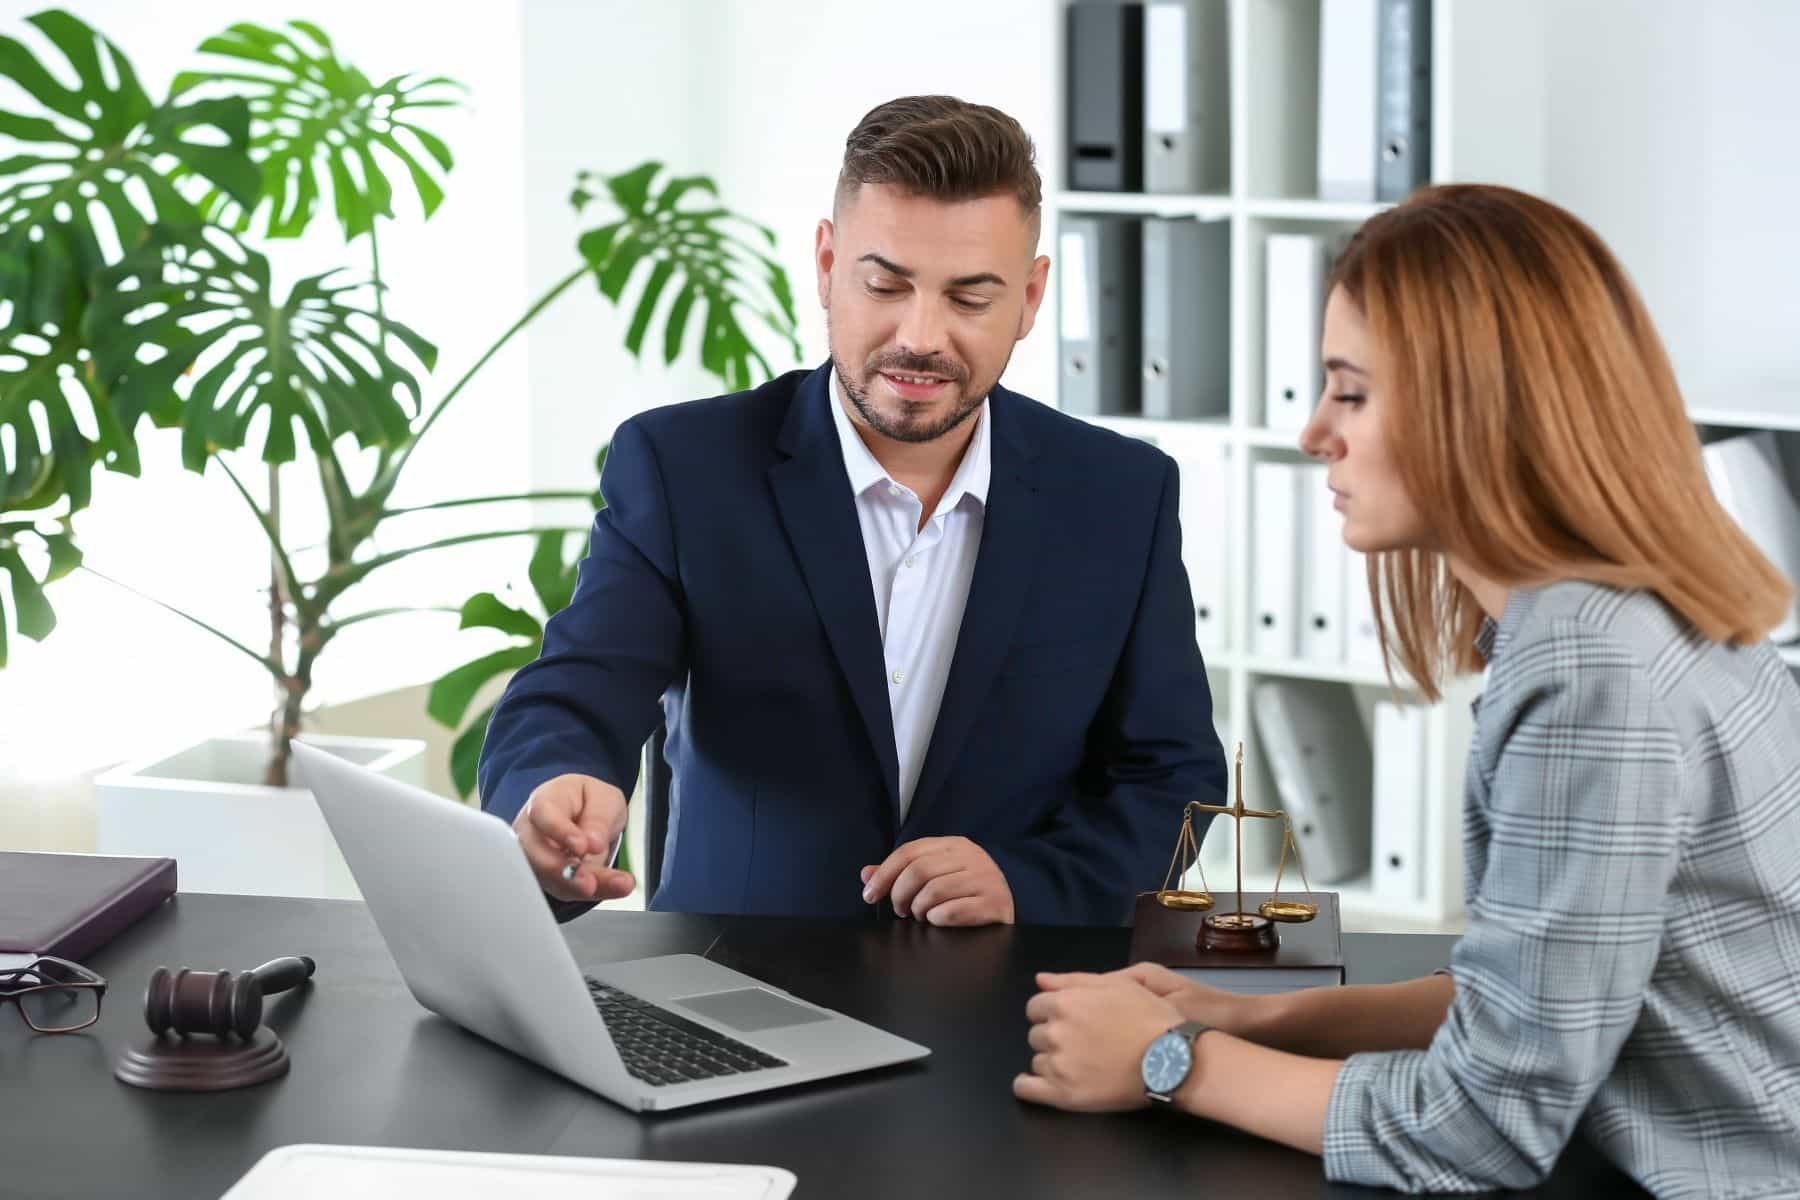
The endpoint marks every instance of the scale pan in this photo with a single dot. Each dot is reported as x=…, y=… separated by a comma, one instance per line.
x=1185, y=901
x=1288, y=910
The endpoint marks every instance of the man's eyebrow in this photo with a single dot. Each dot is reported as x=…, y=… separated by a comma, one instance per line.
x=891, y=268
x=961, y=281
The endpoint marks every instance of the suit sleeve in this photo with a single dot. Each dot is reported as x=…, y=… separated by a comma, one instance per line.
x=589, y=702
x=1151, y=750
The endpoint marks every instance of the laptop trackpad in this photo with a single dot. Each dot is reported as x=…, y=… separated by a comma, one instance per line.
x=751, y=1010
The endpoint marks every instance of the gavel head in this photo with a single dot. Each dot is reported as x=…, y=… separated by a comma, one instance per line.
x=215, y=1002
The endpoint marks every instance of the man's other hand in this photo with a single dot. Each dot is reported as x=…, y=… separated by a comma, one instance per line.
x=944, y=881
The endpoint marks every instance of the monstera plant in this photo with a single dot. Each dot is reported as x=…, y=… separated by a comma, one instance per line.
x=553, y=576
x=130, y=289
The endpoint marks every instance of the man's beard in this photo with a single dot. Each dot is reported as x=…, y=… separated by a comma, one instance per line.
x=968, y=399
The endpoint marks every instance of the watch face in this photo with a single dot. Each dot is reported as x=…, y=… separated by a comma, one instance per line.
x=1166, y=1063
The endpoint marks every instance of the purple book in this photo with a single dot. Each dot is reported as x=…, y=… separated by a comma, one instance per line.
x=70, y=905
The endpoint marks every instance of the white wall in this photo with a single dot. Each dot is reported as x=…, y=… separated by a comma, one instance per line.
x=606, y=85
x=759, y=96
x=1672, y=127
x=120, y=677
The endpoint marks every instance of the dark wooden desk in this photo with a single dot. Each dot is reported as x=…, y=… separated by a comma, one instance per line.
x=370, y=1066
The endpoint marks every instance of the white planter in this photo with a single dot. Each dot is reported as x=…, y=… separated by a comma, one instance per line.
x=204, y=807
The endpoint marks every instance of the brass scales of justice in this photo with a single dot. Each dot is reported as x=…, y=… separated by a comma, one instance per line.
x=1237, y=930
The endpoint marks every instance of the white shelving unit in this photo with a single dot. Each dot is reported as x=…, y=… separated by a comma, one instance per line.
x=1492, y=75
x=1273, y=63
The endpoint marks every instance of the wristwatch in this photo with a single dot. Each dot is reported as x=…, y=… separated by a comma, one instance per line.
x=1169, y=1060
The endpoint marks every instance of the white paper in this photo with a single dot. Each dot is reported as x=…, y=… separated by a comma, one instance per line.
x=317, y=1172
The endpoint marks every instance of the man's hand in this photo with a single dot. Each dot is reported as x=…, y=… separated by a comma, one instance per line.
x=1088, y=1037
x=574, y=818
x=946, y=881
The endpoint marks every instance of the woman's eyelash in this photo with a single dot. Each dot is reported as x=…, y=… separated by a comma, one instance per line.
x=1349, y=397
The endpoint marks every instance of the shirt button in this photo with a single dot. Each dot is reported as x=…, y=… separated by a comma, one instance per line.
x=909, y=562
x=899, y=676
x=893, y=490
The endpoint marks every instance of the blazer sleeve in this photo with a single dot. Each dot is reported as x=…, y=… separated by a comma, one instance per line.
x=589, y=702
x=1151, y=750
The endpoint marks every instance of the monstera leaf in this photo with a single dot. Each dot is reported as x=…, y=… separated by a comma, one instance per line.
x=30, y=612
x=93, y=164
x=315, y=116
x=713, y=259
x=553, y=581
x=192, y=313
x=45, y=456
x=35, y=473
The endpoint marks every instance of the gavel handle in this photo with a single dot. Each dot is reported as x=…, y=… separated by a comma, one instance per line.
x=280, y=974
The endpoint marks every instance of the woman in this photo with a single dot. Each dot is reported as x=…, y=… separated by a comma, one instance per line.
x=1506, y=441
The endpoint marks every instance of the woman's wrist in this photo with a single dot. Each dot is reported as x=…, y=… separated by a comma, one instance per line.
x=1254, y=1018
x=1201, y=1083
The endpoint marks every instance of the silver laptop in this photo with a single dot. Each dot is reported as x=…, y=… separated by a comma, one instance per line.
x=468, y=926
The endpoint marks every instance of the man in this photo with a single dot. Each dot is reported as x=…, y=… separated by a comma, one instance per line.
x=923, y=645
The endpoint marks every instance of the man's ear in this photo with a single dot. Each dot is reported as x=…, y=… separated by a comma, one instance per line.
x=823, y=257
x=1035, y=282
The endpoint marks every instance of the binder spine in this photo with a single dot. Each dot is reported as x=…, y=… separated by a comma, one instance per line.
x=1403, y=98
x=1099, y=330
x=1396, y=866
x=1294, y=303
x=1322, y=573
x=1186, y=97
x=1105, y=95
x=1186, y=350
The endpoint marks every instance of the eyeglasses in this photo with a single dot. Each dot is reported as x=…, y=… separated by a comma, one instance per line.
x=54, y=995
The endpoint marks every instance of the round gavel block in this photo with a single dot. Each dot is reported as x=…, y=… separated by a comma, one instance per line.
x=203, y=1064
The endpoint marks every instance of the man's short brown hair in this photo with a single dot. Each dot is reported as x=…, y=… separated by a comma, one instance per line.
x=944, y=148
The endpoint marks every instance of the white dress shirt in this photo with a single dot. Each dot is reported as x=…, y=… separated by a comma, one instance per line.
x=921, y=577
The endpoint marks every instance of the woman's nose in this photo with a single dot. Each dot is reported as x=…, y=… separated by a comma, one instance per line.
x=1318, y=440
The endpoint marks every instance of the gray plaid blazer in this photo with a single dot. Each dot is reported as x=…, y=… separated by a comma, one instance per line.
x=1630, y=968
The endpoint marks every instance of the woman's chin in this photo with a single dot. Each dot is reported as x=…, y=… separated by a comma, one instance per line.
x=1359, y=540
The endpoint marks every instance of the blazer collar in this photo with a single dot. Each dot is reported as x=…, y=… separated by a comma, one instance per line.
x=817, y=509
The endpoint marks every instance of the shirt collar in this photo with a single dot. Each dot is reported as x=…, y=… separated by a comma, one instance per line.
x=1492, y=638
x=972, y=476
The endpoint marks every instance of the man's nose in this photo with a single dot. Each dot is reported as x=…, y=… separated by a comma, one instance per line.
x=921, y=329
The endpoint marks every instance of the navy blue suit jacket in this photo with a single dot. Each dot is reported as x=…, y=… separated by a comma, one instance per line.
x=727, y=576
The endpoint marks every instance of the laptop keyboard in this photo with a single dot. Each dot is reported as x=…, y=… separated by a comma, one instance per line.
x=661, y=1048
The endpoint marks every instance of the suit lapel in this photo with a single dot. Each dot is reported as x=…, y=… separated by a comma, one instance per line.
x=812, y=494
x=1011, y=534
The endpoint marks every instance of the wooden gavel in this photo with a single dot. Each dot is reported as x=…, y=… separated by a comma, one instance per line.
x=218, y=1002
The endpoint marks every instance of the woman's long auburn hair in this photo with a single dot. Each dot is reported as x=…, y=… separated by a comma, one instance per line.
x=1534, y=418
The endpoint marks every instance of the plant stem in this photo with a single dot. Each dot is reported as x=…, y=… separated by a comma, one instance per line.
x=280, y=568
x=343, y=576
x=531, y=313
x=375, y=275
x=269, y=665
x=414, y=508
x=287, y=722
x=334, y=627
x=277, y=589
